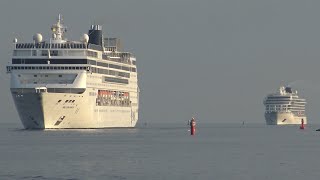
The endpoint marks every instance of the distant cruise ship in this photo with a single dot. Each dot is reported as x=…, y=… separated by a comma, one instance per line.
x=74, y=84
x=285, y=107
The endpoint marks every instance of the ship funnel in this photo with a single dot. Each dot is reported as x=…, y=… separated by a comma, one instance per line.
x=288, y=90
x=95, y=35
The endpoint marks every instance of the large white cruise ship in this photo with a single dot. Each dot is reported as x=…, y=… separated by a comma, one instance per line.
x=285, y=107
x=60, y=83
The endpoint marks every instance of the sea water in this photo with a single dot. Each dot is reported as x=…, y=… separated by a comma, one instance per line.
x=162, y=151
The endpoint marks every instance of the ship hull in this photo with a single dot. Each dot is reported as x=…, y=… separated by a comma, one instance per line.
x=283, y=118
x=70, y=111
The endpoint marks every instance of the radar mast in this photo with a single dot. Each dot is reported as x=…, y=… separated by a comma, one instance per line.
x=58, y=30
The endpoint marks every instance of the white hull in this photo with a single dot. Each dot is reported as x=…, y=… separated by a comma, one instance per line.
x=284, y=118
x=74, y=84
x=51, y=111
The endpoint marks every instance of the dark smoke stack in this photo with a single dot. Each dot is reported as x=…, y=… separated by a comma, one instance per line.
x=95, y=35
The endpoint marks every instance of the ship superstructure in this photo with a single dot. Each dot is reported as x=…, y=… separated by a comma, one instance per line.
x=285, y=107
x=74, y=84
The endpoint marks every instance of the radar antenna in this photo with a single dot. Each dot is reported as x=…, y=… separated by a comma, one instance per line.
x=58, y=30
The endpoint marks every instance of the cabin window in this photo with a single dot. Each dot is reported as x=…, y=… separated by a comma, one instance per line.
x=125, y=68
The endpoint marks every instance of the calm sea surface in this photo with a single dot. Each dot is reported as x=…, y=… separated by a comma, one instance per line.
x=162, y=151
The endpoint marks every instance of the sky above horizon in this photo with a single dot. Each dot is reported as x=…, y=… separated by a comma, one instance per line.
x=212, y=59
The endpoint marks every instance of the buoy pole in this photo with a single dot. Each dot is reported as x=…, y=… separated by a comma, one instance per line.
x=302, y=124
x=193, y=126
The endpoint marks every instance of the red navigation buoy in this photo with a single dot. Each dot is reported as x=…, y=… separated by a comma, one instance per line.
x=302, y=124
x=193, y=126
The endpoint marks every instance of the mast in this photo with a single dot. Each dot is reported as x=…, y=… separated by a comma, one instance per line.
x=58, y=30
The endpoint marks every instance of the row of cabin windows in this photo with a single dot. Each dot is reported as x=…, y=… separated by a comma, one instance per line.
x=49, y=61
x=9, y=68
x=60, y=75
x=59, y=61
x=46, y=52
x=110, y=72
x=70, y=61
x=114, y=66
x=102, y=64
x=51, y=45
x=116, y=80
x=120, y=60
x=93, y=70
x=125, y=68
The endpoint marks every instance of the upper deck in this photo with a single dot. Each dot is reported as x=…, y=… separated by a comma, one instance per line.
x=90, y=46
x=68, y=51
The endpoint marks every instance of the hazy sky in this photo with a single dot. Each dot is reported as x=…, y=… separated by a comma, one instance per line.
x=214, y=59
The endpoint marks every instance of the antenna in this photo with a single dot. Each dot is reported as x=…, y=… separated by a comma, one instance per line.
x=59, y=18
x=58, y=30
